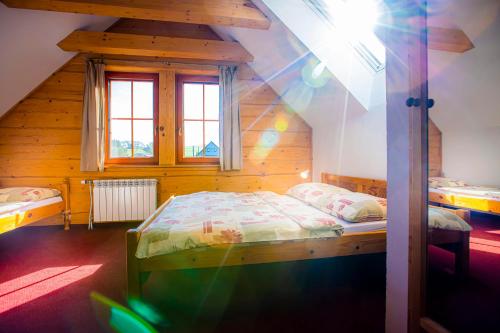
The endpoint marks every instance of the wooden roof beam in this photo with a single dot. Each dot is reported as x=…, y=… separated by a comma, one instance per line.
x=448, y=39
x=155, y=46
x=236, y=13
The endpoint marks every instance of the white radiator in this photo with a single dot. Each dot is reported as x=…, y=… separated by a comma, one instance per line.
x=123, y=199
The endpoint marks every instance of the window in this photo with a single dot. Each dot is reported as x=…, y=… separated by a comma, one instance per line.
x=197, y=119
x=131, y=118
x=354, y=19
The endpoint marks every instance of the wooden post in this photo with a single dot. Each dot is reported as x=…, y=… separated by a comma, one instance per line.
x=406, y=74
x=67, y=202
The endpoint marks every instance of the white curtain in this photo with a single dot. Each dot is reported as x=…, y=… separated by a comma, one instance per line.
x=230, y=133
x=92, y=145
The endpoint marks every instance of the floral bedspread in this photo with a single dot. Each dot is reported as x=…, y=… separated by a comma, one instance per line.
x=210, y=218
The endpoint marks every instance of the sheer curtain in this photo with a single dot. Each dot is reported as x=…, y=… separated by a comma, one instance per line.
x=230, y=133
x=92, y=142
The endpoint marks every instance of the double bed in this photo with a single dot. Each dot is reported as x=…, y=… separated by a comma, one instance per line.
x=213, y=229
x=20, y=206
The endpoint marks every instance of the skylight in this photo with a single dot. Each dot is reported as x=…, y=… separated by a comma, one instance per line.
x=354, y=20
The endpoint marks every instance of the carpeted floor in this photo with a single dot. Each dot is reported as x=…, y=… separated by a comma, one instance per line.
x=46, y=276
x=473, y=304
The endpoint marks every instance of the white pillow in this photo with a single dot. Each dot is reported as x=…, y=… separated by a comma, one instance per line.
x=310, y=193
x=354, y=206
x=443, y=219
x=436, y=182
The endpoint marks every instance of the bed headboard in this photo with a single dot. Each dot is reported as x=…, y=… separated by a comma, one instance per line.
x=374, y=187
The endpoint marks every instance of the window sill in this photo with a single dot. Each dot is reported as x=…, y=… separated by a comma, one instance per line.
x=165, y=166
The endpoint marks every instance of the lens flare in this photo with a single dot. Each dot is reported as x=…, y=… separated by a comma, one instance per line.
x=298, y=95
x=315, y=75
x=281, y=125
x=269, y=138
x=118, y=317
x=147, y=312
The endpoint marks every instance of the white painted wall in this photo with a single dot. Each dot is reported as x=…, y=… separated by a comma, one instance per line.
x=466, y=88
x=29, y=53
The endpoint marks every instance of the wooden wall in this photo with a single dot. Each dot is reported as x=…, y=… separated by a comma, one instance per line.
x=435, y=150
x=40, y=138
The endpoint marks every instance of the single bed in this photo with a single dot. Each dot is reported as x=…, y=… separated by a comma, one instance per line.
x=477, y=198
x=18, y=213
x=355, y=238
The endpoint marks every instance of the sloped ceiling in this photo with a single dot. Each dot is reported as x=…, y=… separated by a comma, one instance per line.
x=29, y=53
x=465, y=85
x=466, y=88
x=346, y=137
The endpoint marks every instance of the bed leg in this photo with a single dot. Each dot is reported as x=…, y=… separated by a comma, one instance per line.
x=67, y=220
x=462, y=256
x=133, y=273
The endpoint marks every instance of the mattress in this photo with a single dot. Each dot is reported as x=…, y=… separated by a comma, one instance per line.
x=350, y=227
x=12, y=208
x=479, y=192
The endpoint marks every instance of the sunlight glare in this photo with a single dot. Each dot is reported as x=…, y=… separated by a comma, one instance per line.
x=29, y=287
x=355, y=18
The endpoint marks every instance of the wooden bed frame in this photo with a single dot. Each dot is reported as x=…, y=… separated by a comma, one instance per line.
x=138, y=270
x=12, y=222
x=452, y=240
x=484, y=205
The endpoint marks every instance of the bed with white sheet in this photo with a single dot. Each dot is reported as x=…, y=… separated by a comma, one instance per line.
x=20, y=206
x=214, y=229
x=456, y=193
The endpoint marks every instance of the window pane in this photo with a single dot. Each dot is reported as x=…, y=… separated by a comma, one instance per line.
x=120, y=105
x=212, y=101
x=193, y=138
x=143, y=138
x=193, y=101
x=143, y=99
x=211, y=139
x=120, y=138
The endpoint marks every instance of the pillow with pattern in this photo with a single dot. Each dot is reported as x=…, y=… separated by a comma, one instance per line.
x=26, y=194
x=354, y=206
x=436, y=182
x=443, y=219
x=310, y=193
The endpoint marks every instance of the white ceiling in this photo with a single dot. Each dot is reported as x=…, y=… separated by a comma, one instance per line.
x=465, y=85
x=29, y=53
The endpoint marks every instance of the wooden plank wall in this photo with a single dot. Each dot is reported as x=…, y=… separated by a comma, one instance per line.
x=40, y=139
x=435, y=150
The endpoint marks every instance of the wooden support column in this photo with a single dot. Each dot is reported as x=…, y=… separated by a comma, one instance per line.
x=406, y=70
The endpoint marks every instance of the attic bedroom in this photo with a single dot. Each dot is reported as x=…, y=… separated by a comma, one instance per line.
x=249, y=166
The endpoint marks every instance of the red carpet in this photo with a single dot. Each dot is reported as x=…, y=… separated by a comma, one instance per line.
x=46, y=276
x=471, y=305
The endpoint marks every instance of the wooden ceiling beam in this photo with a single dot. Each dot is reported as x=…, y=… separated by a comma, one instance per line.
x=236, y=13
x=448, y=39
x=154, y=46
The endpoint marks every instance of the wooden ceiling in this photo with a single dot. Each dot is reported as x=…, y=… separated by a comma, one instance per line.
x=154, y=46
x=448, y=39
x=166, y=14
x=235, y=13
